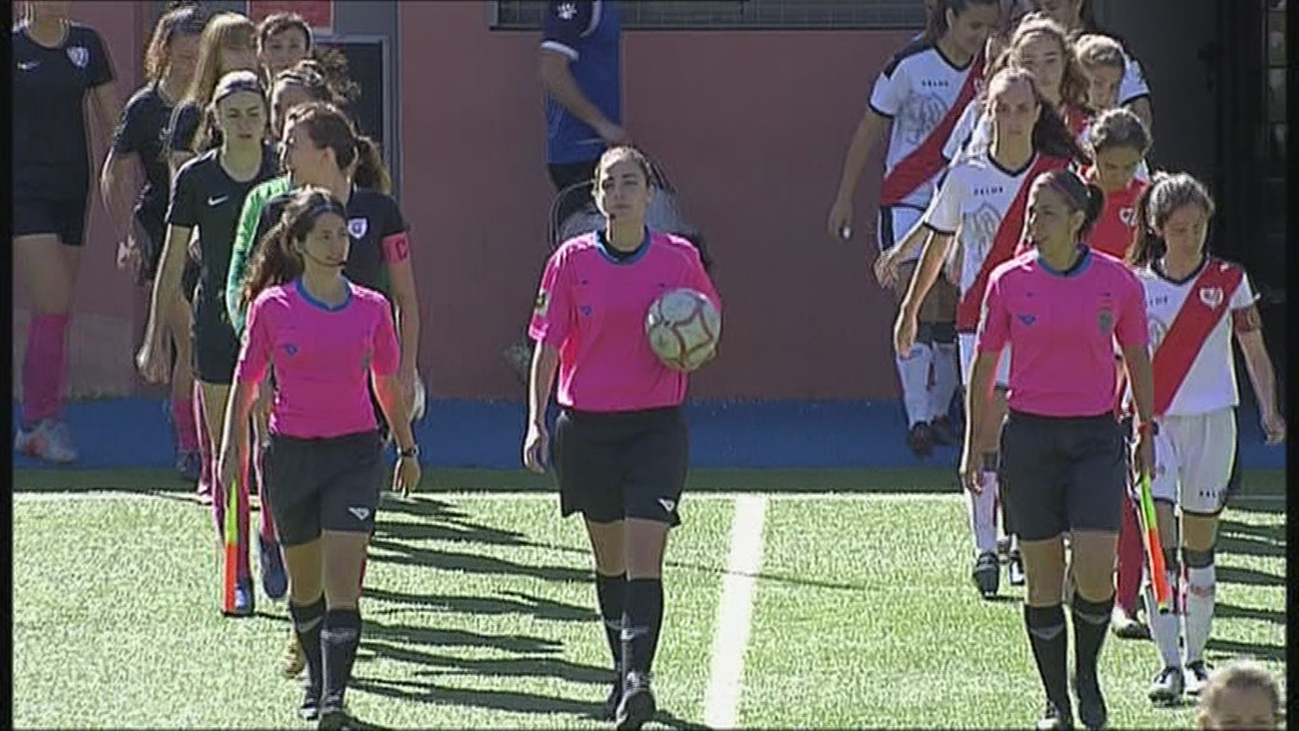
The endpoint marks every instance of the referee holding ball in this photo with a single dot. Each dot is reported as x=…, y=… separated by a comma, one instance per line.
x=621, y=449
x=1061, y=306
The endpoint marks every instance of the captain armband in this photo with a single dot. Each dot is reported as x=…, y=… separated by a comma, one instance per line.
x=396, y=248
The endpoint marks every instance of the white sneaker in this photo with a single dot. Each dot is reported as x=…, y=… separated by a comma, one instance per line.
x=49, y=440
x=1197, y=676
x=1167, y=687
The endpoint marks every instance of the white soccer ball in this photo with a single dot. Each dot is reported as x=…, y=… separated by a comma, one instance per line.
x=683, y=327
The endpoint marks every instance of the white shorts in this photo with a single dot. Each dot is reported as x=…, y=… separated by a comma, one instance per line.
x=965, y=341
x=1194, y=457
x=894, y=223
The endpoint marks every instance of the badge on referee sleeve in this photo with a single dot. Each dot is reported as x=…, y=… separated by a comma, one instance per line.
x=542, y=305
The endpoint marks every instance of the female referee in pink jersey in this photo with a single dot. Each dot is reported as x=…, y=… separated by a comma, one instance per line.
x=621, y=449
x=328, y=340
x=1061, y=307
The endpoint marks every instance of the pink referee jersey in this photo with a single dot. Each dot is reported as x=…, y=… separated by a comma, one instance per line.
x=1062, y=327
x=592, y=307
x=323, y=358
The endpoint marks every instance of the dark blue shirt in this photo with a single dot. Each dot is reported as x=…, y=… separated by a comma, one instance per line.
x=590, y=35
x=140, y=132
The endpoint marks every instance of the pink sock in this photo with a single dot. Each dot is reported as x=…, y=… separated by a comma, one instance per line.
x=205, y=480
x=182, y=418
x=43, y=366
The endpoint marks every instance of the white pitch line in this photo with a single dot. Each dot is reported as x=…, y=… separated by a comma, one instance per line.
x=726, y=675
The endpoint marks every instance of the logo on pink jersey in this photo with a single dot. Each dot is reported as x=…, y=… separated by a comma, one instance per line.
x=1105, y=320
x=1211, y=296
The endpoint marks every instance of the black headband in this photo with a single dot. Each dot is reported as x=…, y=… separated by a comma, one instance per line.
x=248, y=82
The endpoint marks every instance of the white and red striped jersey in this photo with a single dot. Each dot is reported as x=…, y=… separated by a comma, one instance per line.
x=1190, y=335
x=920, y=90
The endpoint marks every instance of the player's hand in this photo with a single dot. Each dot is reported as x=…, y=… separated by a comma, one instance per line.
x=904, y=334
x=1143, y=455
x=886, y=268
x=154, y=358
x=229, y=463
x=613, y=134
x=535, y=448
x=971, y=468
x=839, y=225
x=128, y=254
x=405, y=476
x=195, y=253
x=1273, y=427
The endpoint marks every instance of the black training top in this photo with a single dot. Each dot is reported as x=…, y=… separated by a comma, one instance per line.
x=139, y=132
x=206, y=197
x=51, y=158
x=371, y=218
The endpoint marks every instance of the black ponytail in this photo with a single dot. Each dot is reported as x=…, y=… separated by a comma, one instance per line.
x=1051, y=136
x=1092, y=212
x=1147, y=245
x=370, y=171
x=1077, y=194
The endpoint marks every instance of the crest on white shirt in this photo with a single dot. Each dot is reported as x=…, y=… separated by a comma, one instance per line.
x=1211, y=296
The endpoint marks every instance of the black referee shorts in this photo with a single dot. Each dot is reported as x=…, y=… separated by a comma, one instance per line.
x=316, y=485
x=1062, y=474
x=63, y=217
x=214, y=343
x=618, y=465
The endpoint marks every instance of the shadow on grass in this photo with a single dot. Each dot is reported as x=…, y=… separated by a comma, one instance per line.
x=1234, y=650
x=522, y=666
x=498, y=700
x=1243, y=545
x=1237, y=575
x=457, y=638
x=407, y=555
x=1231, y=611
x=506, y=602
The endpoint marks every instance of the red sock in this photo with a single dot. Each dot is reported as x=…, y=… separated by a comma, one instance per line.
x=43, y=366
x=205, y=480
x=182, y=418
x=1131, y=555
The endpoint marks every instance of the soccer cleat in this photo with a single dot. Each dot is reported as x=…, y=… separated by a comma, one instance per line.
x=335, y=719
x=921, y=439
x=943, y=432
x=274, y=580
x=189, y=465
x=1003, y=549
x=244, y=600
x=637, y=705
x=987, y=574
x=1091, y=703
x=310, y=708
x=292, y=662
x=611, y=702
x=1197, y=676
x=1055, y=718
x=1127, y=625
x=49, y=440
x=1015, y=569
x=1167, y=687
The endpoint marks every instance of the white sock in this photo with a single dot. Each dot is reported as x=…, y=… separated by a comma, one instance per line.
x=913, y=371
x=983, y=515
x=946, y=379
x=1163, y=627
x=1197, y=609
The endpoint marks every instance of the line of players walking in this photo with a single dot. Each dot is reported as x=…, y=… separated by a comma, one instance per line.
x=1089, y=320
